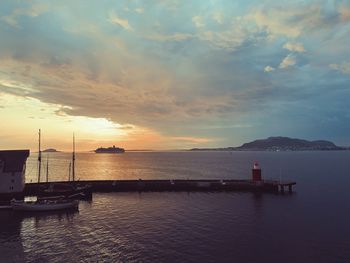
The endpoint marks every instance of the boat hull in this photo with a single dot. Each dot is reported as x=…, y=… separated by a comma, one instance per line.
x=84, y=192
x=44, y=206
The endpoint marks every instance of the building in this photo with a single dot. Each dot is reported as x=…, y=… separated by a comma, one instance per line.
x=12, y=173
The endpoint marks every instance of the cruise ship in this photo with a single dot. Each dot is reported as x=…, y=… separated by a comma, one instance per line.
x=110, y=150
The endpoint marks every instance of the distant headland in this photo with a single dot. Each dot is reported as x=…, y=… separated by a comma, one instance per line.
x=281, y=144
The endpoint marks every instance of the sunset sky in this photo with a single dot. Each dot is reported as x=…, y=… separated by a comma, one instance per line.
x=173, y=74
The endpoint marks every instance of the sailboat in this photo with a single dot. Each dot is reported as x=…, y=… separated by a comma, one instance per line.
x=53, y=204
x=68, y=190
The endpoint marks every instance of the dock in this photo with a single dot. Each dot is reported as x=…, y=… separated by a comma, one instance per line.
x=13, y=177
x=209, y=185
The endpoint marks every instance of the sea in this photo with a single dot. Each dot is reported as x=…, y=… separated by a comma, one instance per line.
x=310, y=225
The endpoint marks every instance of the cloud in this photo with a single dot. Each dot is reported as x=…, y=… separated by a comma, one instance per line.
x=235, y=126
x=269, y=69
x=344, y=12
x=116, y=20
x=228, y=40
x=287, y=62
x=139, y=10
x=231, y=38
x=274, y=22
x=32, y=11
x=295, y=19
x=193, y=140
x=11, y=20
x=198, y=21
x=15, y=87
x=294, y=47
x=140, y=95
x=344, y=67
x=193, y=73
x=172, y=37
x=218, y=17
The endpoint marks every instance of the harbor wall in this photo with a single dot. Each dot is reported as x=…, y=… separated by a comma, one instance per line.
x=165, y=185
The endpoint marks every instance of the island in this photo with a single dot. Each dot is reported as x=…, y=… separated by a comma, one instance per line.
x=50, y=150
x=110, y=150
x=280, y=143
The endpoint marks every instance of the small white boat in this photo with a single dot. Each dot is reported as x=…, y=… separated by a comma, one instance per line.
x=45, y=205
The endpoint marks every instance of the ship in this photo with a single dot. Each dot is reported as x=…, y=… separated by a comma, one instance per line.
x=110, y=150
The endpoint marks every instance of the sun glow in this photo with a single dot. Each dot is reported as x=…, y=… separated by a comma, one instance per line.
x=98, y=126
x=23, y=116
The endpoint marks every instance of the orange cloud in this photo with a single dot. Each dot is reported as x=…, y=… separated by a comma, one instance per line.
x=344, y=12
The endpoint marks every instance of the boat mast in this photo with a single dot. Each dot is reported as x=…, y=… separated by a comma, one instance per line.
x=39, y=157
x=73, y=159
x=69, y=170
x=47, y=169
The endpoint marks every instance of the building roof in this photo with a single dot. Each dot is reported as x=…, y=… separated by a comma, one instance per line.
x=14, y=159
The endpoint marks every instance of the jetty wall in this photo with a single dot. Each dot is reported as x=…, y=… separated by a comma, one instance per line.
x=166, y=185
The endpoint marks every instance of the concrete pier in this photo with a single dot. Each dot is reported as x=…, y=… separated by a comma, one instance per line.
x=173, y=185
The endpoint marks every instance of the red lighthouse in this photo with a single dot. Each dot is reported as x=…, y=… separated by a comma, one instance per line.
x=256, y=172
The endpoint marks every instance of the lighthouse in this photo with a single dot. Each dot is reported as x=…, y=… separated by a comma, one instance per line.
x=256, y=172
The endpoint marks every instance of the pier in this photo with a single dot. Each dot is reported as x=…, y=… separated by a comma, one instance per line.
x=13, y=186
x=210, y=185
x=255, y=184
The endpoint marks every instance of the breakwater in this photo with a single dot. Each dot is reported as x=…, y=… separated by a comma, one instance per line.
x=172, y=185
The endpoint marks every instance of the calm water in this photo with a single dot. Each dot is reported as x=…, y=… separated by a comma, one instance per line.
x=311, y=225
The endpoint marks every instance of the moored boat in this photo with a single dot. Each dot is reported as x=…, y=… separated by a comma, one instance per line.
x=45, y=205
x=60, y=197
x=70, y=188
x=66, y=189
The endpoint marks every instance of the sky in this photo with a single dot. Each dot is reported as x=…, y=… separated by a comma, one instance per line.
x=159, y=74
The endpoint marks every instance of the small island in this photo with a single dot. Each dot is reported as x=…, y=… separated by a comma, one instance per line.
x=280, y=143
x=110, y=150
x=50, y=150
